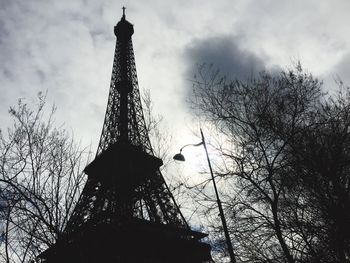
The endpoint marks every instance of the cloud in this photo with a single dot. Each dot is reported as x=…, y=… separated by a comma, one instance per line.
x=60, y=47
x=342, y=69
x=66, y=47
x=225, y=54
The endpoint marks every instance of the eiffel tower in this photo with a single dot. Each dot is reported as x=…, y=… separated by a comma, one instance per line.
x=126, y=212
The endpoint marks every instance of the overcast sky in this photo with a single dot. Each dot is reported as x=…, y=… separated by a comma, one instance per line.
x=66, y=47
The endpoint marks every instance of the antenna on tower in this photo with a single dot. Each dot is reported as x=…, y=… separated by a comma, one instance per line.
x=124, y=11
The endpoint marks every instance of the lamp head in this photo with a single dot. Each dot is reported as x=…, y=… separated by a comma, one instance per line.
x=179, y=157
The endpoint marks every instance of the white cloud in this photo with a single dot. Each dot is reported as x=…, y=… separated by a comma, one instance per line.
x=67, y=48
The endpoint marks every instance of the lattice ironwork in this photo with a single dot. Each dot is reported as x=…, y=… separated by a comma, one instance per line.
x=125, y=198
x=124, y=89
x=124, y=131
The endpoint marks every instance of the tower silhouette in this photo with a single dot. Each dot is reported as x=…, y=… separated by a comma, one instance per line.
x=126, y=212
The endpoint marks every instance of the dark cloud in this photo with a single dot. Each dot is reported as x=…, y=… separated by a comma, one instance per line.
x=225, y=54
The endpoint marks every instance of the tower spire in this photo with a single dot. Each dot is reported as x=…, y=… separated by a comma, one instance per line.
x=124, y=11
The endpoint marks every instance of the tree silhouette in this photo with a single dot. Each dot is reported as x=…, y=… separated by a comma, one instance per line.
x=40, y=181
x=284, y=163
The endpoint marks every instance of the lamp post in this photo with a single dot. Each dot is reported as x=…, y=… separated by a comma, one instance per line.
x=180, y=157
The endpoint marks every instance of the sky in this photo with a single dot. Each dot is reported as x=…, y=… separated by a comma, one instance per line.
x=66, y=48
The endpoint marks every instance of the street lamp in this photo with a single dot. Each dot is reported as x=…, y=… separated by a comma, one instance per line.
x=179, y=157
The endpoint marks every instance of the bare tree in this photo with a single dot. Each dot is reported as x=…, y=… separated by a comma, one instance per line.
x=320, y=162
x=264, y=123
x=40, y=181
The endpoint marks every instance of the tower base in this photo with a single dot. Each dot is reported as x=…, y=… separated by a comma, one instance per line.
x=129, y=241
